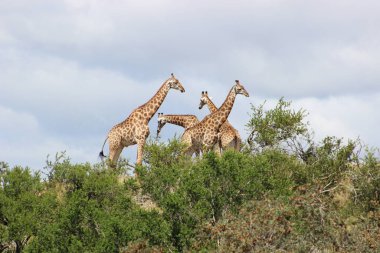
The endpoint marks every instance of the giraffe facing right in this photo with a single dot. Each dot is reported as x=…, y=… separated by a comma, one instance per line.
x=134, y=129
x=229, y=136
x=205, y=134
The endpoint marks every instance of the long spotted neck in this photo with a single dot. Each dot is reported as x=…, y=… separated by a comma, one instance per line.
x=150, y=108
x=185, y=121
x=221, y=115
x=211, y=106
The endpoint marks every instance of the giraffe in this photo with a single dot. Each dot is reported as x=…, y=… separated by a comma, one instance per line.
x=205, y=134
x=183, y=120
x=134, y=129
x=229, y=136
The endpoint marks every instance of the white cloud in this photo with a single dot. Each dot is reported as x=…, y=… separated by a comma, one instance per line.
x=270, y=42
x=344, y=116
x=13, y=122
x=73, y=69
x=24, y=142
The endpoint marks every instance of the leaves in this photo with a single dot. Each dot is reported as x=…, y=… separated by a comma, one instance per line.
x=283, y=193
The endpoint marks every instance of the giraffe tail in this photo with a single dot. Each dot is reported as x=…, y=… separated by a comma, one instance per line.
x=101, y=153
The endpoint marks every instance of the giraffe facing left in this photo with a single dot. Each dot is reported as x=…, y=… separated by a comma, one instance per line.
x=134, y=129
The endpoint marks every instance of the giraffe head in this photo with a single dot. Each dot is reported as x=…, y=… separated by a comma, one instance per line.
x=239, y=89
x=161, y=122
x=173, y=83
x=204, y=98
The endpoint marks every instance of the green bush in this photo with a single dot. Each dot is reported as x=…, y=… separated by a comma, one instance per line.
x=366, y=181
x=280, y=128
x=95, y=214
x=283, y=193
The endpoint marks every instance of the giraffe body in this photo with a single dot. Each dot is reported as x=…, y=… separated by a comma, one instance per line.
x=183, y=120
x=205, y=134
x=135, y=129
x=229, y=136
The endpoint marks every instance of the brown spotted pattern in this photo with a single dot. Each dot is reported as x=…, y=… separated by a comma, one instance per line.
x=183, y=120
x=134, y=129
x=205, y=134
x=229, y=136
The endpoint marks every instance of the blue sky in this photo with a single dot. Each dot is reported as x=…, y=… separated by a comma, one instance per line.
x=71, y=69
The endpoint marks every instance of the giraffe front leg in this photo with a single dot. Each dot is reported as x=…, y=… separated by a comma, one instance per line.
x=186, y=140
x=217, y=149
x=141, y=136
x=211, y=143
x=140, y=151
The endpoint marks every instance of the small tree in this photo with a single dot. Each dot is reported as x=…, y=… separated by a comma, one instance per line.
x=281, y=128
x=21, y=207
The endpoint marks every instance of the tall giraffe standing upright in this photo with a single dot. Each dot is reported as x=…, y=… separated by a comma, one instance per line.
x=135, y=129
x=229, y=136
x=205, y=134
x=183, y=120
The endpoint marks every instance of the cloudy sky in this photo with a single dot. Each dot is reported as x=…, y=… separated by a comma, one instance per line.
x=71, y=69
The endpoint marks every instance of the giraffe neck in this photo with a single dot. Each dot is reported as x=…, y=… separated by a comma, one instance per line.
x=221, y=115
x=211, y=106
x=185, y=121
x=150, y=108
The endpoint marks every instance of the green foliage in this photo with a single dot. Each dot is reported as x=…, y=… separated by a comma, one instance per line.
x=332, y=158
x=80, y=209
x=24, y=207
x=308, y=222
x=366, y=181
x=278, y=127
x=283, y=193
x=192, y=193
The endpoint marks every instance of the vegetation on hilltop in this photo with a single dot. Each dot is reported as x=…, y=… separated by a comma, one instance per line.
x=283, y=193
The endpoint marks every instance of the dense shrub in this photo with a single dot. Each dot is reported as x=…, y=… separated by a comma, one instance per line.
x=309, y=222
x=79, y=209
x=24, y=207
x=283, y=193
